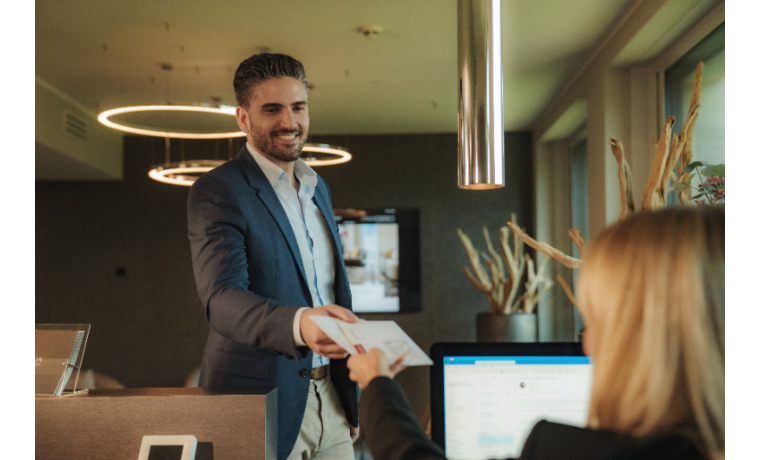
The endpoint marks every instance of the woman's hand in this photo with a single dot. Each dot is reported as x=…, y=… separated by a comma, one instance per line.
x=364, y=368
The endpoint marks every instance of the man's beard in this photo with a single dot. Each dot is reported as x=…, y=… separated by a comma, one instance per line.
x=264, y=143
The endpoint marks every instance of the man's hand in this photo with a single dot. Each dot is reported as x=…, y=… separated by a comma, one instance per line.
x=354, y=433
x=364, y=368
x=317, y=340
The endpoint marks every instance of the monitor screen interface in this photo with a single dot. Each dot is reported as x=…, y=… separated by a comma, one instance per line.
x=491, y=403
x=381, y=253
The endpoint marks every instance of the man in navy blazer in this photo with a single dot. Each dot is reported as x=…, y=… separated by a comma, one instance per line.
x=266, y=256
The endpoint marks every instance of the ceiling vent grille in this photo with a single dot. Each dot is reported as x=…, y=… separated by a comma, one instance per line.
x=74, y=125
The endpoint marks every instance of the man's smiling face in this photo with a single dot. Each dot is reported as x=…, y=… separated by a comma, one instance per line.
x=277, y=119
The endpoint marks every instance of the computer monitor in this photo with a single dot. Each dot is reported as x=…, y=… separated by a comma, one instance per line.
x=486, y=397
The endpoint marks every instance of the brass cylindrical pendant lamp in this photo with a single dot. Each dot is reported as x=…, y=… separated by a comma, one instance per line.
x=481, y=116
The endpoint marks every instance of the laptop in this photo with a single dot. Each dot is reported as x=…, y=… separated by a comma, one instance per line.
x=486, y=397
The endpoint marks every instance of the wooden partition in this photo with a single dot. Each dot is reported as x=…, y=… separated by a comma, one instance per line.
x=110, y=424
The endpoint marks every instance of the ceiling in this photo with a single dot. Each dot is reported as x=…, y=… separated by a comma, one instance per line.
x=403, y=79
x=400, y=78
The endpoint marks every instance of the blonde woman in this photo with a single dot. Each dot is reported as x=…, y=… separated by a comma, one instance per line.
x=652, y=297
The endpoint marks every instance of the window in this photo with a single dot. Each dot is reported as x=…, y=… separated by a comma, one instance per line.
x=709, y=130
x=579, y=205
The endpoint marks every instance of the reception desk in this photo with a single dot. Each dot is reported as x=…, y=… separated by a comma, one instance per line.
x=110, y=424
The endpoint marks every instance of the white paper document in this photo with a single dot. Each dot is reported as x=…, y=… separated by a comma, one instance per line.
x=361, y=336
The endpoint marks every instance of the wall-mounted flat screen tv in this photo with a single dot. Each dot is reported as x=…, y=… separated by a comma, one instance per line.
x=381, y=249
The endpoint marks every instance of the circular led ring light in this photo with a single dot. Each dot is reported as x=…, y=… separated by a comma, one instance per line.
x=342, y=155
x=103, y=117
x=182, y=173
x=187, y=172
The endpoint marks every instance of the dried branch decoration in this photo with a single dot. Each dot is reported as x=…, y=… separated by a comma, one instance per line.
x=659, y=183
x=505, y=270
x=566, y=288
x=668, y=154
x=655, y=189
x=559, y=256
x=687, y=132
x=536, y=285
x=500, y=286
x=624, y=177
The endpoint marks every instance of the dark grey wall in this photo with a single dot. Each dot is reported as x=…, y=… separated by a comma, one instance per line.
x=115, y=254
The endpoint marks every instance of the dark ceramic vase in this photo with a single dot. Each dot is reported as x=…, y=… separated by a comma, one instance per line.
x=518, y=327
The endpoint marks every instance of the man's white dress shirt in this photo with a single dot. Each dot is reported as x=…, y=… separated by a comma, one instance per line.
x=311, y=230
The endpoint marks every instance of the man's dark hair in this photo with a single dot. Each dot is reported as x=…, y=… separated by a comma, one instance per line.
x=260, y=68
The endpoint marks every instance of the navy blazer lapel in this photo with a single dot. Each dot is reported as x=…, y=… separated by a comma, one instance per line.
x=268, y=197
x=323, y=202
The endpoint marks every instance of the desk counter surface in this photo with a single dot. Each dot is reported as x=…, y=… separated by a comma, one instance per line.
x=98, y=424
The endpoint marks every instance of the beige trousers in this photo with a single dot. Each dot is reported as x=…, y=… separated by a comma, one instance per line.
x=325, y=433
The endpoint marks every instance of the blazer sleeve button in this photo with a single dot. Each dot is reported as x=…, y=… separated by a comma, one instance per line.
x=305, y=372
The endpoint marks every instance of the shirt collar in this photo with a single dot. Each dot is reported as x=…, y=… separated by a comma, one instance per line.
x=274, y=173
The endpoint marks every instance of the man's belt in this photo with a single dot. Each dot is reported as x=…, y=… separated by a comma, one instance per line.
x=318, y=373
